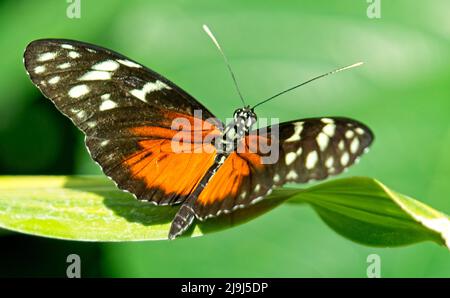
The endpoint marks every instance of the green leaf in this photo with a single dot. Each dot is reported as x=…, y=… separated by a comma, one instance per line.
x=93, y=209
x=366, y=211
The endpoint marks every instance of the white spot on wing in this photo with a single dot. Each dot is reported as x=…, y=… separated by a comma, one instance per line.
x=108, y=65
x=78, y=91
x=148, y=88
x=129, y=63
x=329, y=129
x=256, y=200
x=104, y=143
x=354, y=145
x=39, y=69
x=139, y=94
x=54, y=80
x=322, y=140
x=81, y=114
x=47, y=56
x=329, y=162
x=341, y=145
x=276, y=178
x=359, y=131
x=107, y=105
x=67, y=46
x=292, y=175
x=298, y=127
x=327, y=120
x=64, y=65
x=95, y=75
x=290, y=158
x=105, y=96
x=311, y=160
x=349, y=134
x=73, y=54
x=345, y=159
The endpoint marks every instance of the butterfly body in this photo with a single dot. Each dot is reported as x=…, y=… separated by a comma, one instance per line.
x=236, y=130
x=129, y=115
x=228, y=142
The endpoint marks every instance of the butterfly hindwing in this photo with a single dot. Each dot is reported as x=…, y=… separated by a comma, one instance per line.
x=313, y=149
x=308, y=149
x=126, y=111
x=240, y=181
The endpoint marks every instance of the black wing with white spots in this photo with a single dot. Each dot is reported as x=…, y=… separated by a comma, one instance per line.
x=315, y=148
x=107, y=95
x=96, y=86
x=308, y=149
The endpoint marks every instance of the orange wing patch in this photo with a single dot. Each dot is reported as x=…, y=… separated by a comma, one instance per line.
x=170, y=172
x=226, y=182
x=222, y=191
x=173, y=173
x=235, y=185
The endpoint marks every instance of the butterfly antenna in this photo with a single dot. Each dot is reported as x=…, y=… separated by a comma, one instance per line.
x=309, y=81
x=206, y=29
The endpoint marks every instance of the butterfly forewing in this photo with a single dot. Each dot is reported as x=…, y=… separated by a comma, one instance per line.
x=84, y=80
x=126, y=111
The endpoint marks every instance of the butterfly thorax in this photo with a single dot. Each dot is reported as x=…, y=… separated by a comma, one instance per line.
x=238, y=128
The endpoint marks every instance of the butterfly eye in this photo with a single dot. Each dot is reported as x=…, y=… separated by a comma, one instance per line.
x=250, y=121
x=238, y=113
x=252, y=118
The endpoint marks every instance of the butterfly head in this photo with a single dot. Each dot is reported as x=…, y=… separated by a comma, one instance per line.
x=244, y=118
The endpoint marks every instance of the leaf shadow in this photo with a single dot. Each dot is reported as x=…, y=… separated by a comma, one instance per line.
x=124, y=205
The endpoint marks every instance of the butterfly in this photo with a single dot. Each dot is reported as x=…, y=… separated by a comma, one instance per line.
x=127, y=111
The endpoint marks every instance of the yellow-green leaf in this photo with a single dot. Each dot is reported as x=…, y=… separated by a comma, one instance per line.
x=93, y=209
x=366, y=211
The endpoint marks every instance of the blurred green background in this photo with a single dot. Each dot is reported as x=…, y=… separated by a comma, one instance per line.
x=402, y=93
